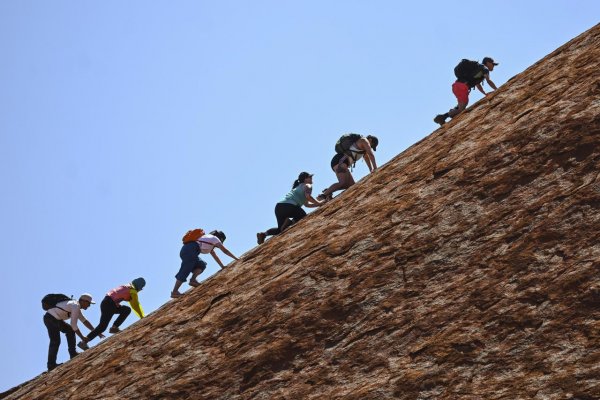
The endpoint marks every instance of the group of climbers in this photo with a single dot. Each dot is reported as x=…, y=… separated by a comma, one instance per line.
x=60, y=307
x=350, y=148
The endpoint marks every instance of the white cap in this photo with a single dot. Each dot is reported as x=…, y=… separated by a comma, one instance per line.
x=87, y=297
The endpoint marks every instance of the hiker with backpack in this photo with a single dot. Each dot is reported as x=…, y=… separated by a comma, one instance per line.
x=290, y=208
x=195, y=242
x=469, y=74
x=60, y=307
x=111, y=305
x=349, y=149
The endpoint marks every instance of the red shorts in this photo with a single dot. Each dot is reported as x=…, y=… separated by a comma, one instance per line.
x=461, y=91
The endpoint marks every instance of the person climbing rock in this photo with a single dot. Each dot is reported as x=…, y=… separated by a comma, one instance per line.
x=349, y=149
x=190, y=260
x=111, y=305
x=291, y=206
x=54, y=319
x=469, y=74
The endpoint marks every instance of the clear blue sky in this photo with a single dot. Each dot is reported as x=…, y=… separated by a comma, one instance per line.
x=124, y=124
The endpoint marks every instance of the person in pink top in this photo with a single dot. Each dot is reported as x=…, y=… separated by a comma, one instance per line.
x=111, y=305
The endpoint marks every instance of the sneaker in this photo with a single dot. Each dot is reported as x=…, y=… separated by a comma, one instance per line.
x=175, y=295
x=260, y=237
x=83, y=345
x=114, y=329
x=439, y=119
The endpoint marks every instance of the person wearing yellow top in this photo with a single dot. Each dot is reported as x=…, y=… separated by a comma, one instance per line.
x=111, y=306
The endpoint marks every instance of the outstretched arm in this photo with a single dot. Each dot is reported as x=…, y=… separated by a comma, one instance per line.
x=369, y=156
x=489, y=81
x=480, y=88
x=311, y=202
x=224, y=250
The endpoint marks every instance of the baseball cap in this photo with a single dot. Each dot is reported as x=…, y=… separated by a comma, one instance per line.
x=303, y=176
x=374, y=142
x=488, y=59
x=87, y=297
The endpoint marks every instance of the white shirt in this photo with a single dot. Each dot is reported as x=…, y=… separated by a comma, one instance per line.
x=207, y=243
x=68, y=307
x=356, y=152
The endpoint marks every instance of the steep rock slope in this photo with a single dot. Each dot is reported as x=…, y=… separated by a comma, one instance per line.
x=467, y=267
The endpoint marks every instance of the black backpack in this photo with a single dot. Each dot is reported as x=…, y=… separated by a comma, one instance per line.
x=345, y=142
x=468, y=72
x=51, y=300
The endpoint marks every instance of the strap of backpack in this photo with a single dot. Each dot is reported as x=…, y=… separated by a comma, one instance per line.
x=68, y=313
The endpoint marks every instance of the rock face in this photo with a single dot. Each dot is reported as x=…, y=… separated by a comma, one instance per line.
x=468, y=267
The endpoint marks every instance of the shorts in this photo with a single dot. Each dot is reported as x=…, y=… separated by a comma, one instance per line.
x=461, y=91
x=338, y=159
x=189, y=261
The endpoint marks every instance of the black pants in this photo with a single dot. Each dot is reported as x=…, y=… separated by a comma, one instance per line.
x=108, y=309
x=284, y=211
x=55, y=327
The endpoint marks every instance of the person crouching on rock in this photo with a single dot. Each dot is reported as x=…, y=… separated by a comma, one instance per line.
x=191, y=262
x=291, y=206
x=111, y=305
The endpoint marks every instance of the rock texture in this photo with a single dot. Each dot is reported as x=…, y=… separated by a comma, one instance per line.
x=468, y=267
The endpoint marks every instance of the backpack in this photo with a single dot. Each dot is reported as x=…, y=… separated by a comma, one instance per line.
x=51, y=300
x=345, y=142
x=192, y=235
x=467, y=71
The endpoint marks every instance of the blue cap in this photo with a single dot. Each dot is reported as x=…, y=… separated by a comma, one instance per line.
x=138, y=283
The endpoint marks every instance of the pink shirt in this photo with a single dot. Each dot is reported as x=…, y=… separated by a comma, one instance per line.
x=119, y=294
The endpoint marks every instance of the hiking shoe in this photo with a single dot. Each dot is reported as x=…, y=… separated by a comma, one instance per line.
x=114, y=329
x=175, y=295
x=260, y=237
x=194, y=283
x=83, y=345
x=439, y=119
x=51, y=367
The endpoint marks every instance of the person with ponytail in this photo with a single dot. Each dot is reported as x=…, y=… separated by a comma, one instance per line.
x=291, y=206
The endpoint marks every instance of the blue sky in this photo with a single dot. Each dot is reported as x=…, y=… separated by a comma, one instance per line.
x=124, y=124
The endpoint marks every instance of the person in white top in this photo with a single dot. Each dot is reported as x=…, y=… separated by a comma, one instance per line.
x=54, y=319
x=191, y=263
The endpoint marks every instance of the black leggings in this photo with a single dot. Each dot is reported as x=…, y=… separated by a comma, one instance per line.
x=108, y=309
x=283, y=211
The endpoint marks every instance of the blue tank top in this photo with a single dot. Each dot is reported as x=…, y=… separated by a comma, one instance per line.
x=296, y=196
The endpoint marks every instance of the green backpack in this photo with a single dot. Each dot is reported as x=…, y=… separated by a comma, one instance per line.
x=345, y=142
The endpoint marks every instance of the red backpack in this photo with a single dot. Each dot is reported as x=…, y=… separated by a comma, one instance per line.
x=192, y=235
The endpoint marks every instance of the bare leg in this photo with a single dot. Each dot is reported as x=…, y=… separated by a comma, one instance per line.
x=195, y=273
x=175, y=293
x=457, y=110
x=345, y=180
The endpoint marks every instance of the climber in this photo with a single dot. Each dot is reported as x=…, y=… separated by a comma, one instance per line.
x=111, y=305
x=350, y=148
x=192, y=263
x=54, y=319
x=291, y=206
x=469, y=74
